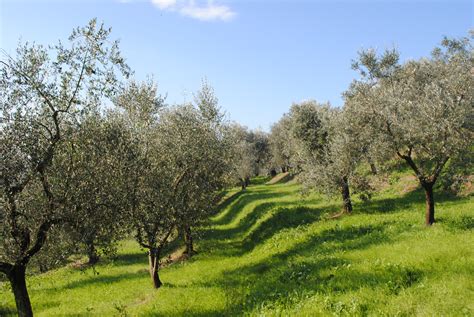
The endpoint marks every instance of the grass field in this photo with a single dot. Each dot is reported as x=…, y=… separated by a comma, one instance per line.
x=272, y=252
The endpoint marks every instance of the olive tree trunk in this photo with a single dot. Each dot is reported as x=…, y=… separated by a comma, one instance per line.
x=346, y=196
x=243, y=183
x=427, y=182
x=188, y=241
x=17, y=279
x=92, y=254
x=154, y=261
x=16, y=273
x=430, y=208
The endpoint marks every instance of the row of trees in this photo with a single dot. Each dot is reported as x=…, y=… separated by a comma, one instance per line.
x=250, y=152
x=88, y=157
x=420, y=111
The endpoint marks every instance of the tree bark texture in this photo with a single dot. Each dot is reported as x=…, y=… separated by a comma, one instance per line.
x=154, y=261
x=17, y=279
x=346, y=196
x=188, y=240
x=430, y=208
x=92, y=254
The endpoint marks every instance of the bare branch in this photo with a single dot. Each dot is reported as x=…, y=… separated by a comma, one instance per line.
x=41, y=236
x=79, y=80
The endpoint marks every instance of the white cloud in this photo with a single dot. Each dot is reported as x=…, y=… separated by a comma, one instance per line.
x=164, y=4
x=189, y=8
x=208, y=12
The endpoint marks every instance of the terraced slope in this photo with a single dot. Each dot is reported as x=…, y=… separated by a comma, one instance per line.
x=272, y=252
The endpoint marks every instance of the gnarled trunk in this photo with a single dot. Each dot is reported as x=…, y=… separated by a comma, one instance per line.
x=346, y=196
x=243, y=183
x=188, y=241
x=154, y=261
x=17, y=279
x=92, y=254
x=427, y=182
x=430, y=210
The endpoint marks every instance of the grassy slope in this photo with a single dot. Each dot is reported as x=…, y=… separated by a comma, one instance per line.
x=272, y=252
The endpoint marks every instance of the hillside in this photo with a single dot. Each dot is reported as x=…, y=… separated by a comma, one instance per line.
x=271, y=251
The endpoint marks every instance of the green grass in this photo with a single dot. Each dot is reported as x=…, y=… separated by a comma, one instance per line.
x=273, y=252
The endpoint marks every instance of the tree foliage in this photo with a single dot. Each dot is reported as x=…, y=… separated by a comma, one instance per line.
x=422, y=109
x=281, y=140
x=44, y=92
x=78, y=173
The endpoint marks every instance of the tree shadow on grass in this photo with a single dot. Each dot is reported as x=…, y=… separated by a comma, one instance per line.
x=220, y=248
x=124, y=259
x=46, y=305
x=282, y=218
x=259, y=180
x=228, y=201
x=246, y=222
x=238, y=203
x=11, y=311
x=8, y=311
x=243, y=238
x=340, y=239
x=282, y=275
x=98, y=279
x=225, y=241
x=462, y=223
x=400, y=203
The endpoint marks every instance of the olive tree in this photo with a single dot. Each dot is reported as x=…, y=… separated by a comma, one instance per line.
x=281, y=144
x=42, y=92
x=208, y=104
x=311, y=125
x=94, y=153
x=149, y=180
x=196, y=155
x=197, y=134
x=324, y=149
x=261, y=146
x=335, y=168
x=243, y=153
x=422, y=109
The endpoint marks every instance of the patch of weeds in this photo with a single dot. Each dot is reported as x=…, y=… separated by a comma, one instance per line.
x=121, y=309
x=342, y=308
x=297, y=272
x=461, y=223
x=401, y=278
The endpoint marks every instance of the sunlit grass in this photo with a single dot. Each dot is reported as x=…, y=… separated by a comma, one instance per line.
x=271, y=251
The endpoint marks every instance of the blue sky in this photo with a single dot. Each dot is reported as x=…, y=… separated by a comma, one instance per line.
x=260, y=56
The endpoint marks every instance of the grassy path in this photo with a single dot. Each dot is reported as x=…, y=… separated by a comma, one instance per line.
x=272, y=252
